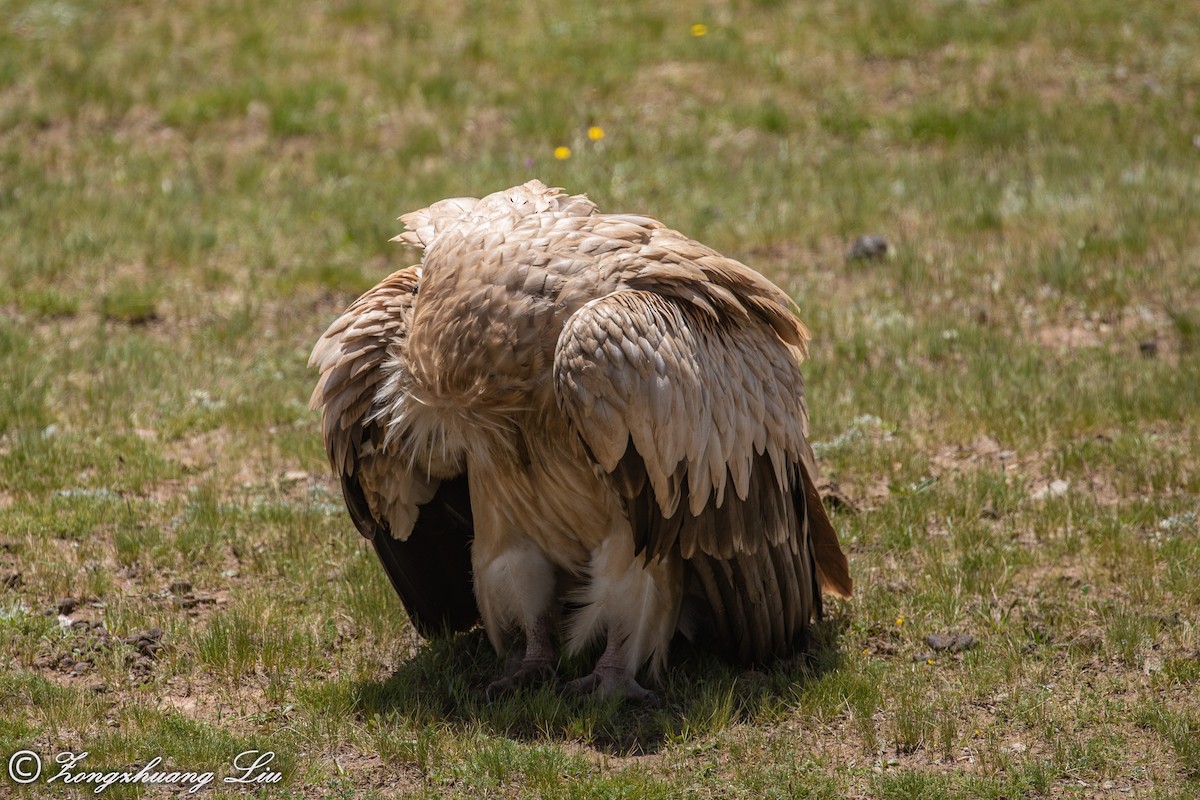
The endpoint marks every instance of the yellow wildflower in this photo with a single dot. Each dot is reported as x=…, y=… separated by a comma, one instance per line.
x=595, y=133
x=562, y=152
x=699, y=29
x=900, y=620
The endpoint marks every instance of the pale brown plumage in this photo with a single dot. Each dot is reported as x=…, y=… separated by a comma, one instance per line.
x=611, y=418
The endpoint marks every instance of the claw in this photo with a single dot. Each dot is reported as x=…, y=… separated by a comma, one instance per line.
x=539, y=664
x=618, y=684
x=530, y=673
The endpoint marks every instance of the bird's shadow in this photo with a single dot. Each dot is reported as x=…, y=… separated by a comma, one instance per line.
x=443, y=685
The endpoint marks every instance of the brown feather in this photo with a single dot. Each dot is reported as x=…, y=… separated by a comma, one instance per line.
x=421, y=528
x=620, y=406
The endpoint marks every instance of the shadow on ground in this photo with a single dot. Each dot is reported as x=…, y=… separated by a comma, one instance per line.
x=443, y=684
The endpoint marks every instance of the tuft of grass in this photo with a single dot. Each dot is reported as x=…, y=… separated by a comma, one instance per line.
x=131, y=303
x=1181, y=729
x=49, y=303
x=1187, y=328
x=230, y=646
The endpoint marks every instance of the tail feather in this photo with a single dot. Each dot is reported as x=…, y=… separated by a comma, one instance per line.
x=833, y=570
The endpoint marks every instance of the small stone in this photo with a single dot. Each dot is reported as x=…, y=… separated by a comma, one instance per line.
x=180, y=587
x=881, y=646
x=97, y=688
x=147, y=644
x=81, y=667
x=11, y=580
x=835, y=499
x=1148, y=348
x=869, y=248
x=66, y=606
x=148, y=635
x=989, y=513
x=954, y=642
x=1056, y=488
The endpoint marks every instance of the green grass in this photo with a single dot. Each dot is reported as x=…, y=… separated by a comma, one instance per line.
x=189, y=193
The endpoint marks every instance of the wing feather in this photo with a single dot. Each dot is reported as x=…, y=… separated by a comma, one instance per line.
x=697, y=411
x=420, y=526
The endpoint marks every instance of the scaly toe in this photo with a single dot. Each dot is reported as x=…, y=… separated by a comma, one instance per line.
x=582, y=686
x=530, y=673
x=619, y=686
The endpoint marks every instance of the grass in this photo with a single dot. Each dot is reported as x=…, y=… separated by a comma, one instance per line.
x=190, y=193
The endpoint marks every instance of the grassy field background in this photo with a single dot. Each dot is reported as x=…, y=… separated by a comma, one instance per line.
x=1008, y=404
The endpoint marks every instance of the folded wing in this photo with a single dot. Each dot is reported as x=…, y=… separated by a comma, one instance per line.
x=420, y=525
x=687, y=391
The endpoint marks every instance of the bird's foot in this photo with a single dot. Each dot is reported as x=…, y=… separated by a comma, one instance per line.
x=614, y=682
x=538, y=665
x=529, y=673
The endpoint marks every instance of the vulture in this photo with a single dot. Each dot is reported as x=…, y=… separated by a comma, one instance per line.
x=587, y=431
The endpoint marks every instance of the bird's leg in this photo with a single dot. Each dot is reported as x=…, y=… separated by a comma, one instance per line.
x=634, y=604
x=538, y=665
x=614, y=677
x=514, y=587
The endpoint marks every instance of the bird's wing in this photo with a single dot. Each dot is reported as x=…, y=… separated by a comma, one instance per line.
x=420, y=525
x=688, y=392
